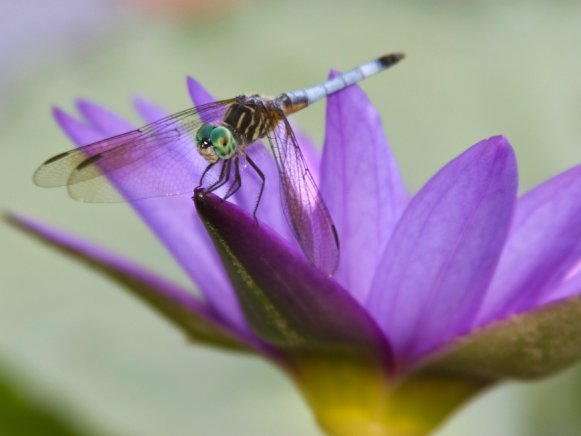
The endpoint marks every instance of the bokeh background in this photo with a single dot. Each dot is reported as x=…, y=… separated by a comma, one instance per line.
x=74, y=343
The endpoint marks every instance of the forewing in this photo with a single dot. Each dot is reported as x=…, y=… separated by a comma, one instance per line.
x=159, y=159
x=303, y=205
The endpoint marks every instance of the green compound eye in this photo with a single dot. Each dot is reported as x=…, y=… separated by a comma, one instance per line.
x=223, y=142
x=203, y=135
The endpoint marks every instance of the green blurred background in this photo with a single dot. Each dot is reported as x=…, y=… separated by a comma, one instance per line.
x=72, y=341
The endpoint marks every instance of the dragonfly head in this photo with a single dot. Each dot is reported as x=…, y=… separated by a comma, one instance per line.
x=215, y=142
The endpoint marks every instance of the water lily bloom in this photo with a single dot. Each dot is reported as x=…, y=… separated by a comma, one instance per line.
x=438, y=295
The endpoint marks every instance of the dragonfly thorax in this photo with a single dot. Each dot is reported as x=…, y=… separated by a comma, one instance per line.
x=215, y=142
x=248, y=119
x=251, y=117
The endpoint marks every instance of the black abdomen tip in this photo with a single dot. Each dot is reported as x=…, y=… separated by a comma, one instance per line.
x=391, y=59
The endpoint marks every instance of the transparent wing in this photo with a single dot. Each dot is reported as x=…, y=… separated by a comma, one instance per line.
x=159, y=159
x=303, y=205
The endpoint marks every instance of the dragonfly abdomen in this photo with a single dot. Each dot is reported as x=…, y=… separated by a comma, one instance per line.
x=294, y=101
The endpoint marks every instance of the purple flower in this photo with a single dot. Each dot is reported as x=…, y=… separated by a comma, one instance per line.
x=438, y=295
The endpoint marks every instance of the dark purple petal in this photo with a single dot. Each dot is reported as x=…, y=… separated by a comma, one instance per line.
x=269, y=211
x=174, y=303
x=440, y=259
x=361, y=185
x=173, y=220
x=529, y=345
x=544, y=243
x=288, y=302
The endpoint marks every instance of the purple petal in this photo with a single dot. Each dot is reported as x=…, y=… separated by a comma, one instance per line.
x=173, y=220
x=102, y=119
x=543, y=245
x=287, y=301
x=270, y=211
x=440, y=259
x=199, y=95
x=568, y=287
x=79, y=132
x=361, y=185
x=175, y=303
x=148, y=111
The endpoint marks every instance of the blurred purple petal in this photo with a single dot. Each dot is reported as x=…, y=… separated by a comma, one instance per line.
x=77, y=131
x=147, y=110
x=441, y=257
x=102, y=119
x=568, y=287
x=199, y=95
x=543, y=245
x=176, y=304
x=173, y=220
x=361, y=185
x=287, y=301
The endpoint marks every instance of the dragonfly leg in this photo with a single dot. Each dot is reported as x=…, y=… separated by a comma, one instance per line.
x=237, y=184
x=224, y=176
x=263, y=181
x=208, y=168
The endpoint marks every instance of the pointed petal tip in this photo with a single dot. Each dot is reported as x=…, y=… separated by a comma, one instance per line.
x=139, y=100
x=198, y=93
x=83, y=104
x=88, y=109
x=9, y=217
x=60, y=116
x=20, y=220
x=191, y=82
x=101, y=119
x=489, y=150
x=93, y=111
x=201, y=196
x=147, y=110
x=498, y=141
x=215, y=210
x=56, y=111
x=68, y=123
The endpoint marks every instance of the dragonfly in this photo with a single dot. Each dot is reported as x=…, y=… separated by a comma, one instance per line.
x=220, y=133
